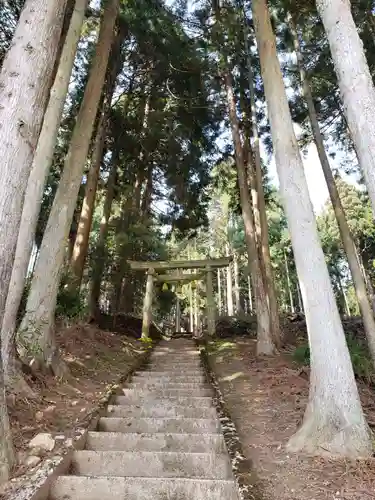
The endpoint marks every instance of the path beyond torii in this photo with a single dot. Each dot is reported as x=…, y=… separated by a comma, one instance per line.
x=155, y=267
x=161, y=440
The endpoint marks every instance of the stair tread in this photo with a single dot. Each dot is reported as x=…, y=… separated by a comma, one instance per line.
x=151, y=463
x=160, y=439
x=141, y=488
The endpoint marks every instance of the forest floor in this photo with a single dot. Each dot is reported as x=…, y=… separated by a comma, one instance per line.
x=97, y=360
x=266, y=399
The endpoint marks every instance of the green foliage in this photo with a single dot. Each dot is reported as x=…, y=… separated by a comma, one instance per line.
x=70, y=304
x=359, y=354
x=302, y=354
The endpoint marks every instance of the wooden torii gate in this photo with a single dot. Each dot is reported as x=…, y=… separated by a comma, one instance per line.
x=153, y=268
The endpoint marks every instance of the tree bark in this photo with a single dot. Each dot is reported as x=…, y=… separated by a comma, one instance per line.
x=24, y=85
x=288, y=284
x=250, y=294
x=33, y=198
x=300, y=305
x=81, y=243
x=265, y=344
x=219, y=297
x=36, y=333
x=230, y=311
x=236, y=285
x=264, y=235
x=99, y=262
x=355, y=82
x=147, y=194
x=346, y=237
x=334, y=420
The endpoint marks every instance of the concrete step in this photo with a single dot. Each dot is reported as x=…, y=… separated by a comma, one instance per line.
x=171, y=360
x=171, y=356
x=170, y=380
x=167, y=392
x=163, y=425
x=145, y=402
x=156, y=384
x=160, y=410
x=117, y=441
x=120, y=488
x=176, y=367
x=167, y=376
x=151, y=464
x=153, y=371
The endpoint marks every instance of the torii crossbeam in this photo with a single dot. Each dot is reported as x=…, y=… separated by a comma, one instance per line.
x=152, y=268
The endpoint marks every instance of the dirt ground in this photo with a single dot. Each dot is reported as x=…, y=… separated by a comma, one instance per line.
x=266, y=399
x=97, y=359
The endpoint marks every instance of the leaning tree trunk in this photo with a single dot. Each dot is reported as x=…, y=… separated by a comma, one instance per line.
x=33, y=197
x=36, y=333
x=346, y=237
x=265, y=344
x=334, y=420
x=355, y=82
x=24, y=86
x=81, y=243
x=264, y=236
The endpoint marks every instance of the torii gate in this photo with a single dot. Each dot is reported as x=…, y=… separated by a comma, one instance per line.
x=154, y=267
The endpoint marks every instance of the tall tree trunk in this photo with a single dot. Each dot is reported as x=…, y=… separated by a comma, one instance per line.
x=237, y=285
x=288, y=284
x=265, y=344
x=99, y=259
x=36, y=333
x=334, y=420
x=33, y=198
x=355, y=82
x=101, y=243
x=84, y=225
x=250, y=294
x=300, y=304
x=230, y=311
x=81, y=242
x=219, y=297
x=342, y=291
x=346, y=237
x=264, y=236
x=369, y=287
x=147, y=194
x=24, y=85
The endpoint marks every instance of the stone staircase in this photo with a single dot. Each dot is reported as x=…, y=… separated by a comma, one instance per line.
x=160, y=440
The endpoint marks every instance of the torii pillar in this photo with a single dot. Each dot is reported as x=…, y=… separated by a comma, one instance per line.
x=211, y=312
x=147, y=304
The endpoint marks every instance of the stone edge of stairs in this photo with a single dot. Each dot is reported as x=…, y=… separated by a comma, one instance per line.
x=35, y=483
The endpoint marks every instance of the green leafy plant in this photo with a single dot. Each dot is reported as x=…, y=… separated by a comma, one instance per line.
x=70, y=303
x=362, y=364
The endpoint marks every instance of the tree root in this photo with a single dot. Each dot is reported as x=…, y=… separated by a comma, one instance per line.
x=334, y=437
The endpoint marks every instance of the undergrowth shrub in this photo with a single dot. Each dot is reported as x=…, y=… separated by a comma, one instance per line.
x=361, y=360
x=70, y=304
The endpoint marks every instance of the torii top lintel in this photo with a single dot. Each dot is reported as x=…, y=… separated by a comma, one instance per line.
x=159, y=265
